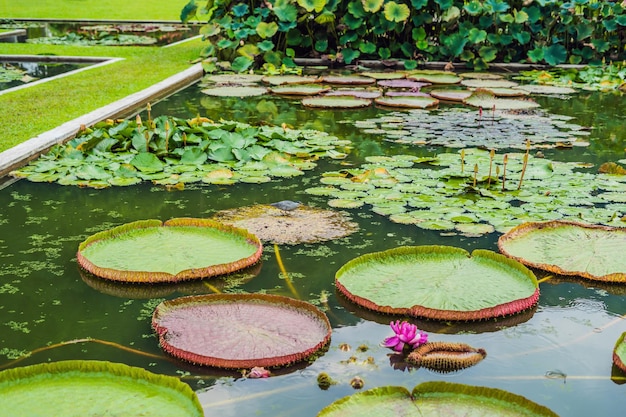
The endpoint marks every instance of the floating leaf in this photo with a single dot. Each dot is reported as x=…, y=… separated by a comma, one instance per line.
x=569, y=248
x=395, y=12
x=451, y=285
x=346, y=102
x=239, y=331
x=486, y=83
x=434, y=77
x=300, y=89
x=546, y=89
x=419, y=102
x=348, y=79
x=149, y=250
x=96, y=388
x=487, y=100
x=235, y=91
x=450, y=95
x=619, y=352
x=290, y=79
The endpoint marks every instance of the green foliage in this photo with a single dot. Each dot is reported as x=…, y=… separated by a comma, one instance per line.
x=476, y=32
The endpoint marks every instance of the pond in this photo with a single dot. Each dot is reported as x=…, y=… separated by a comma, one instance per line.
x=557, y=355
x=14, y=74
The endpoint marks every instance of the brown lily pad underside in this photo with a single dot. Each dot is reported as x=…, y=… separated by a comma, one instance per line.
x=302, y=225
x=241, y=331
x=446, y=356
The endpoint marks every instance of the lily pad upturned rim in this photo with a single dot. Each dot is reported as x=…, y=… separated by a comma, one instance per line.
x=445, y=392
x=529, y=227
x=159, y=277
x=620, y=359
x=276, y=300
x=505, y=309
x=70, y=372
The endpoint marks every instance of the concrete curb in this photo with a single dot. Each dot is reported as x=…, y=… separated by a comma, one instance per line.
x=32, y=148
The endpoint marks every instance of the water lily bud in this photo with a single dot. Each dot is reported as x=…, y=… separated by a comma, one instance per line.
x=357, y=382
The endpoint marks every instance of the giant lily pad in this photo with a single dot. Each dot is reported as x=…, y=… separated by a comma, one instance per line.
x=303, y=225
x=291, y=79
x=336, y=102
x=355, y=92
x=176, y=250
x=487, y=100
x=546, y=89
x=619, y=353
x=435, y=77
x=439, y=282
x=299, y=89
x=235, y=91
x=417, y=102
x=435, y=399
x=239, y=331
x=491, y=83
x=450, y=94
x=348, y=79
x=96, y=388
x=569, y=248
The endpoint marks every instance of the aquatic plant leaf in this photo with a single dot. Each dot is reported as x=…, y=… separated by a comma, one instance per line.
x=302, y=225
x=395, y=12
x=275, y=80
x=402, y=83
x=299, y=89
x=419, y=102
x=97, y=388
x=569, y=248
x=487, y=100
x=386, y=75
x=239, y=331
x=147, y=162
x=450, y=284
x=235, y=91
x=348, y=79
x=546, y=89
x=336, y=102
x=355, y=92
x=436, y=399
x=488, y=83
x=434, y=76
x=445, y=356
x=481, y=75
x=450, y=95
x=619, y=352
x=149, y=250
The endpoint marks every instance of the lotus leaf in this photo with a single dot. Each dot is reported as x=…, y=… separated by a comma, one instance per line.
x=336, y=102
x=302, y=225
x=438, y=282
x=569, y=248
x=92, y=389
x=235, y=91
x=150, y=251
x=240, y=331
x=487, y=100
x=435, y=399
x=348, y=79
x=275, y=80
x=418, y=102
x=299, y=89
x=619, y=353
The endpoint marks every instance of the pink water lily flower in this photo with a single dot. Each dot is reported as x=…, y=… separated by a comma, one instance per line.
x=407, y=334
x=258, y=372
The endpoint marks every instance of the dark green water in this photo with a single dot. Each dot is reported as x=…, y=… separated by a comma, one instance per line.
x=44, y=300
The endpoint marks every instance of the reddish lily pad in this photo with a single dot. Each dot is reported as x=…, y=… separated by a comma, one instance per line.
x=176, y=250
x=435, y=399
x=450, y=94
x=451, y=283
x=418, y=102
x=402, y=83
x=406, y=93
x=446, y=356
x=336, y=102
x=92, y=389
x=569, y=248
x=619, y=353
x=241, y=331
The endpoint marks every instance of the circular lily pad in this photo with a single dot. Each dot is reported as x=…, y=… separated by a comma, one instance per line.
x=336, y=102
x=239, y=331
x=348, y=79
x=481, y=75
x=435, y=399
x=450, y=95
x=384, y=75
x=482, y=83
x=402, y=83
x=546, y=89
x=418, y=102
x=299, y=89
x=487, y=100
x=619, y=353
x=569, y=248
x=438, y=282
x=176, y=250
x=302, y=225
x=235, y=91
x=96, y=388
x=355, y=92
x=241, y=79
x=291, y=79
x=435, y=77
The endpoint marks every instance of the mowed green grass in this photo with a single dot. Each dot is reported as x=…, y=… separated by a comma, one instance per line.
x=92, y=9
x=31, y=111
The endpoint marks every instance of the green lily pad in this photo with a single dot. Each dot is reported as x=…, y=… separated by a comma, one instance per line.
x=451, y=284
x=619, y=353
x=450, y=94
x=299, y=89
x=385, y=75
x=150, y=250
x=435, y=77
x=419, y=102
x=336, y=102
x=435, y=399
x=507, y=92
x=481, y=76
x=355, y=92
x=569, y=248
x=348, y=79
x=546, y=89
x=488, y=100
x=291, y=79
x=239, y=79
x=483, y=83
x=240, y=331
x=235, y=91
x=96, y=388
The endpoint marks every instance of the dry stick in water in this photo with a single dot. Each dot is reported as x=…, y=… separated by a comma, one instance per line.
x=525, y=164
x=491, y=155
x=505, y=160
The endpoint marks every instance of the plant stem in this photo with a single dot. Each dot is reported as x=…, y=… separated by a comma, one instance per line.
x=506, y=159
x=524, y=165
x=284, y=272
x=491, y=155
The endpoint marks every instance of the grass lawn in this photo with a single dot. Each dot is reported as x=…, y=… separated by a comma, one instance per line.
x=34, y=110
x=90, y=9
